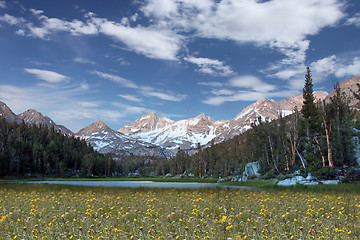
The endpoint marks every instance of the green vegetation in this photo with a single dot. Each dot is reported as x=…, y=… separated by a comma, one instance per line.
x=41, y=211
x=316, y=139
x=37, y=151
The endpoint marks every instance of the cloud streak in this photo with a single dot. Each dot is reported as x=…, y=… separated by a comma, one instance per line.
x=143, y=90
x=209, y=66
x=243, y=88
x=46, y=75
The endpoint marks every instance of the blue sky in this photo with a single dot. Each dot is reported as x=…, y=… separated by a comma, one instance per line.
x=79, y=61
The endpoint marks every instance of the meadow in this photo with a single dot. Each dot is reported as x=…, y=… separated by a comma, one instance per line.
x=41, y=211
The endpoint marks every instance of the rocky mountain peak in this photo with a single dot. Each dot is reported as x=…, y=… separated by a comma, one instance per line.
x=32, y=116
x=348, y=86
x=201, y=118
x=145, y=123
x=6, y=113
x=94, y=127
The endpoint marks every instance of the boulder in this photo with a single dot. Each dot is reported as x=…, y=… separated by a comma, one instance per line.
x=330, y=182
x=355, y=140
x=310, y=177
x=287, y=182
x=252, y=169
x=311, y=183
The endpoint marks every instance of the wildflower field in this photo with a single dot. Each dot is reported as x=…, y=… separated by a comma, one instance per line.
x=32, y=211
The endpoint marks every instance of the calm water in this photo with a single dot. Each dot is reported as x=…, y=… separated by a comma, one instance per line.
x=142, y=184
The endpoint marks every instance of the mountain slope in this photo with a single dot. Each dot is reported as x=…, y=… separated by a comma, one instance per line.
x=32, y=116
x=202, y=129
x=348, y=86
x=146, y=123
x=7, y=113
x=106, y=140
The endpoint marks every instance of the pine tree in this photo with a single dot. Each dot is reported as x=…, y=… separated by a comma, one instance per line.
x=310, y=125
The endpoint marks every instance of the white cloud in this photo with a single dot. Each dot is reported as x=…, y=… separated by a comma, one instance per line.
x=354, y=20
x=210, y=66
x=160, y=8
x=168, y=96
x=131, y=109
x=2, y=4
x=130, y=98
x=246, y=88
x=119, y=80
x=84, y=60
x=36, y=12
x=211, y=84
x=251, y=82
x=243, y=88
x=242, y=96
x=65, y=105
x=11, y=20
x=280, y=24
x=48, y=76
x=333, y=65
x=151, y=42
x=144, y=90
x=222, y=92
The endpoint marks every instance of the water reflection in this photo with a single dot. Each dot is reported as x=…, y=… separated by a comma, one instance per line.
x=143, y=184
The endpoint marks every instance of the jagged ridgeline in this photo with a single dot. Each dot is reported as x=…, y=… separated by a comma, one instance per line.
x=30, y=150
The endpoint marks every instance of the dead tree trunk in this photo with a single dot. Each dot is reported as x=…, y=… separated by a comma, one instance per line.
x=328, y=133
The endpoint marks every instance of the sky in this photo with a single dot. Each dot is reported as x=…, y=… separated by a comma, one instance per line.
x=79, y=61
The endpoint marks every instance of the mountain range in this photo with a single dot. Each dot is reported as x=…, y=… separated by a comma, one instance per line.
x=161, y=136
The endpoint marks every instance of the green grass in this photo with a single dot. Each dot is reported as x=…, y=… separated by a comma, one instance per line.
x=42, y=211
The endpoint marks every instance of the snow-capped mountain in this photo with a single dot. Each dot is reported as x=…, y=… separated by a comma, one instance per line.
x=32, y=116
x=146, y=123
x=173, y=134
x=202, y=129
x=106, y=140
x=265, y=109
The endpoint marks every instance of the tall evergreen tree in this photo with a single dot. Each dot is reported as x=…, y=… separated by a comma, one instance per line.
x=310, y=125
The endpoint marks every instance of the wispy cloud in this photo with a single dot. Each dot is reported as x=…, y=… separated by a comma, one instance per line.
x=172, y=23
x=48, y=76
x=119, y=80
x=334, y=65
x=11, y=20
x=130, y=109
x=354, y=20
x=84, y=60
x=65, y=105
x=131, y=98
x=143, y=90
x=209, y=66
x=287, y=32
x=211, y=84
x=152, y=42
x=2, y=4
x=168, y=96
x=243, y=88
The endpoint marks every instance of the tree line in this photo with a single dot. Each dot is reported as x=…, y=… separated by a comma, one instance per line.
x=316, y=139
x=36, y=151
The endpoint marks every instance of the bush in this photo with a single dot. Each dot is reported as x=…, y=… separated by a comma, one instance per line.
x=324, y=173
x=352, y=176
x=268, y=175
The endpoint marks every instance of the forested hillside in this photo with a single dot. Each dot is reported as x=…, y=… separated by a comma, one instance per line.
x=34, y=151
x=317, y=139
